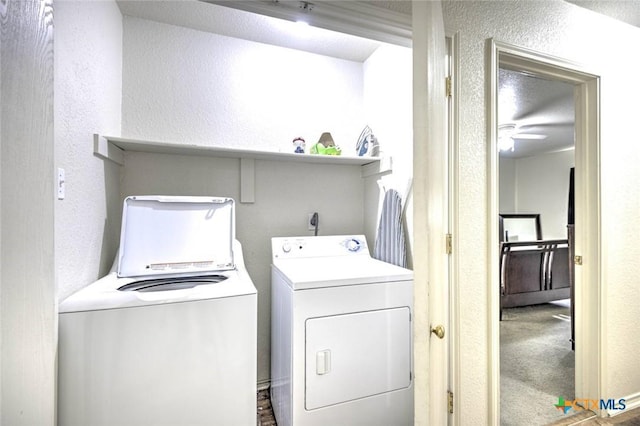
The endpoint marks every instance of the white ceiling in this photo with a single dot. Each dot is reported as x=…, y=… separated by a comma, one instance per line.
x=538, y=107
x=534, y=105
x=232, y=22
x=623, y=10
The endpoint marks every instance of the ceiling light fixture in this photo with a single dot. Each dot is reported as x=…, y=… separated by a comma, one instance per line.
x=506, y=143
x=362, y=19
x=505, y=137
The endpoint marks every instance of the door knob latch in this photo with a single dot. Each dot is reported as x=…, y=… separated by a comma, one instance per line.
x=438, y=330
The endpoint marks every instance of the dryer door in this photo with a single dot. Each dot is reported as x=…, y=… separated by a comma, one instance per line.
x=357, y=355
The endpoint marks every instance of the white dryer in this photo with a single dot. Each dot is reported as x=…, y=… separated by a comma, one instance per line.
x=169, y=337
x=341, y=345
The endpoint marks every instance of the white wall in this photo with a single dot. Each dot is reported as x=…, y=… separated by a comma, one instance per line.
x=507, y=182
x=564, y=30
x=538, y=184
x=543, y=187
x=88, y=89
x=388, y=88
x=192, y=87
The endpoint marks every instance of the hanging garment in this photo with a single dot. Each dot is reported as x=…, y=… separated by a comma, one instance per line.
x=390, y=243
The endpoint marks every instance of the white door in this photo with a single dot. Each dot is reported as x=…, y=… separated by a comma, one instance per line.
x=28, y=268
x=430, y=197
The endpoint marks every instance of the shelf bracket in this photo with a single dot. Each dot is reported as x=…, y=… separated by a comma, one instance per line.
x=106, y=150
x=378, y=168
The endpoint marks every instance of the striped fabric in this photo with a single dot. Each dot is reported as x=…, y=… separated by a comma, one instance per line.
x=390, y=244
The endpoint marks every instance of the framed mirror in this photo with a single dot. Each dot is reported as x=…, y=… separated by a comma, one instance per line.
x=520, y=227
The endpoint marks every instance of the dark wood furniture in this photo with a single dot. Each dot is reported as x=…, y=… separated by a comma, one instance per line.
x=532, y=271
x=571, y=263
x=520, y=227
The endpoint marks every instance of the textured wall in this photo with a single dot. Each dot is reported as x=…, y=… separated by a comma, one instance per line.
x=538, y=184
x=563, y=30
x=543, y=187
x=88, y=88
x=507, y=183
x=194, y=87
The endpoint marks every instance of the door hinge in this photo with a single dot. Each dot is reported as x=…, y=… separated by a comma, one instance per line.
x=577, y=260
x=449, y=244
x=450, y=401
x=448, y=88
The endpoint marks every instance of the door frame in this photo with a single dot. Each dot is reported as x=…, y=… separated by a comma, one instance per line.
x=589, y=297
x=453, y=49
x=430, y=205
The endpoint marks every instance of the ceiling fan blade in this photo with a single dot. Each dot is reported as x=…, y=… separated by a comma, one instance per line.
x=529, y=136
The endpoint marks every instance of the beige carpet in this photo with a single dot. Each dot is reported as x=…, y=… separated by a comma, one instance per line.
x=536, y=364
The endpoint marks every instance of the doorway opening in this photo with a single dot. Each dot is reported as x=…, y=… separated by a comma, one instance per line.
x=586, y=243
x=536, y=155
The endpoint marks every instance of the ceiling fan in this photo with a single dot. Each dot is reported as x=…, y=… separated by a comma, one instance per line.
x=508, y=133
x=534, y=114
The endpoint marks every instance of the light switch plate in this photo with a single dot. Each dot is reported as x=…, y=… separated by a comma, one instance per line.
x=61, y=184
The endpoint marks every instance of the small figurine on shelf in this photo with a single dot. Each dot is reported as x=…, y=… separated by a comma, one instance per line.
x=326, y=146
x=299, y=145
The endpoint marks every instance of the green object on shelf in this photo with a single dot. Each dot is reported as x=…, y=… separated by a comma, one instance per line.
x=325, y=150
x=326, y=146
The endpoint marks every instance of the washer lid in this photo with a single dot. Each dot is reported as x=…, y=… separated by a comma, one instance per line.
x=176, y=235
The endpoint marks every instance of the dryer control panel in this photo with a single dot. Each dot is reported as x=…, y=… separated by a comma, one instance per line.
x=323, y=246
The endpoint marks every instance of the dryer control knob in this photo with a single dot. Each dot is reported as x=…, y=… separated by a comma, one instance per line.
x=286, y=247
x=353, y=245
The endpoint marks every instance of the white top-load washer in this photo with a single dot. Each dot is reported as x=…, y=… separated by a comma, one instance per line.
x=169, y=336
x=341, y=345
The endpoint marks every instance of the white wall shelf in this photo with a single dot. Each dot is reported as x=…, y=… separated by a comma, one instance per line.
x=103, y=144
x=113, y=148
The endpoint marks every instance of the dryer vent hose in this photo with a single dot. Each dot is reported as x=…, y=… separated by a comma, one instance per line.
x=314, y=222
